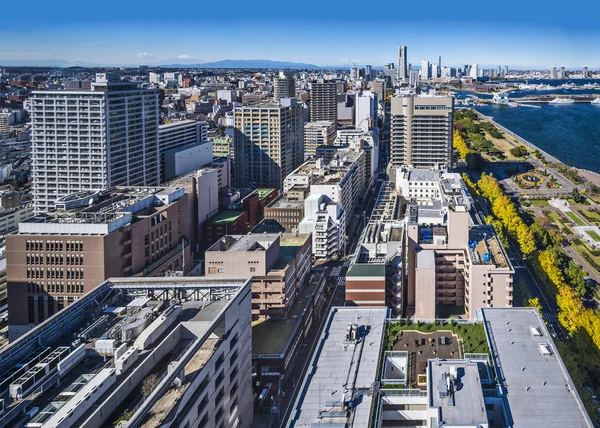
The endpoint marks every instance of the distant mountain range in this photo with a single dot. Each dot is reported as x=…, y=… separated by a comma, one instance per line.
x=171, y=63
x=245, y=63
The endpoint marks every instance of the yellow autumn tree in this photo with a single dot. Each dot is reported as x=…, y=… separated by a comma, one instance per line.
x=461, y=145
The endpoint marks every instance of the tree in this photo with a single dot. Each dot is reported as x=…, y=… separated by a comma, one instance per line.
x=577, y=196
x=534, y=303
x=519, y=151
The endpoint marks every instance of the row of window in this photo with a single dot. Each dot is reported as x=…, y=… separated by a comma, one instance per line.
x=53, y=245
x=55, y=259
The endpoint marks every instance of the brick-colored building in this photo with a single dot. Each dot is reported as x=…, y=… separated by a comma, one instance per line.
x=94, y=235
x=278, y=263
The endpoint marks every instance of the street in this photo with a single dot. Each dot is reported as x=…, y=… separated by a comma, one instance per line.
x=337, y=273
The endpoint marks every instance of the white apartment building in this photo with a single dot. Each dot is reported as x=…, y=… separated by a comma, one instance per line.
x=365, y=110
x=93, y=139
x=424, y=186
x=325, y=220
x=421, y=131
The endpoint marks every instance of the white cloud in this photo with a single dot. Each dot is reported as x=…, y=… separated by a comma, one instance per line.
x=184, y=57
x=146, y=55
x=348, y=61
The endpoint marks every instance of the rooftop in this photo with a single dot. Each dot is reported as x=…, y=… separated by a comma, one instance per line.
x=336, y=389
x=100, y=333
x=366, y=270
x=463, y=405
x=177, y=123
x=262, y=193
x=285, y=202
x=484, y=246
x=289, y=245
x=423, y=175
x=536, y=384
x=226, y=216
x=107, y=209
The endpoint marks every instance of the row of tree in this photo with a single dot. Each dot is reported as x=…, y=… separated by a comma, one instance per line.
x=564, y=274
x=505, y=210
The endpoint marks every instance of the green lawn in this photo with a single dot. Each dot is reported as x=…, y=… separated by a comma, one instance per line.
x=560, y=222
x=590, y=215
x=572, y=202
x=575, y=219
x=594, y=235
x=587, y=253
x=539, y=202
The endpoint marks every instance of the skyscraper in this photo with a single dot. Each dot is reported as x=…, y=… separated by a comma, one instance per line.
x=368, y=73
x=323, y=101
x=93, y=139
x=425, y=70
x=284, y=85
x=421, y=131
x=553, y=73
x=402, y=63
x=584, y=72
x=474, y=71
x=268, y=143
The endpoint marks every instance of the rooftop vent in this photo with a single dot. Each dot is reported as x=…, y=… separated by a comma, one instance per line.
x=535, y=330
x=545, y=349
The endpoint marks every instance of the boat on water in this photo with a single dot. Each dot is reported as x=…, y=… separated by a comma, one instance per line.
x=500, y=98
x=596, y=101
x=544, y=87
x=561, y=101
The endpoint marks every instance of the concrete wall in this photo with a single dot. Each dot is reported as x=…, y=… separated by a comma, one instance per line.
x=186, y=159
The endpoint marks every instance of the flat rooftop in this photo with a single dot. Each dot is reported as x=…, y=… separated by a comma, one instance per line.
x=289, y=245
x=365, y=270
x=422, y=175
x=285, y=202
x=177, y=123
x=537, y=387
x=226, y=216
x=340, y=368
x=464, y=406
x=485, y=241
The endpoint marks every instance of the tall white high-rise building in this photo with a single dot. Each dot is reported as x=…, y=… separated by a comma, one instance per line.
x=402, y=63
x=425, y=70
x=474, y=71
x=584, y=72
x=553, y=73
x=93, y=139
x=562, y=73
x=365, y=110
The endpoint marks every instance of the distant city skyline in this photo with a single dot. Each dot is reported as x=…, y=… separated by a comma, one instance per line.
x=118, y=33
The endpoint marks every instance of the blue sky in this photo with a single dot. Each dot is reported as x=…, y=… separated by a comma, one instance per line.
x=317, y=32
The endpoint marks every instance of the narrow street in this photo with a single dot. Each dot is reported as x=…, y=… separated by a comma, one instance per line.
x=337, y=273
